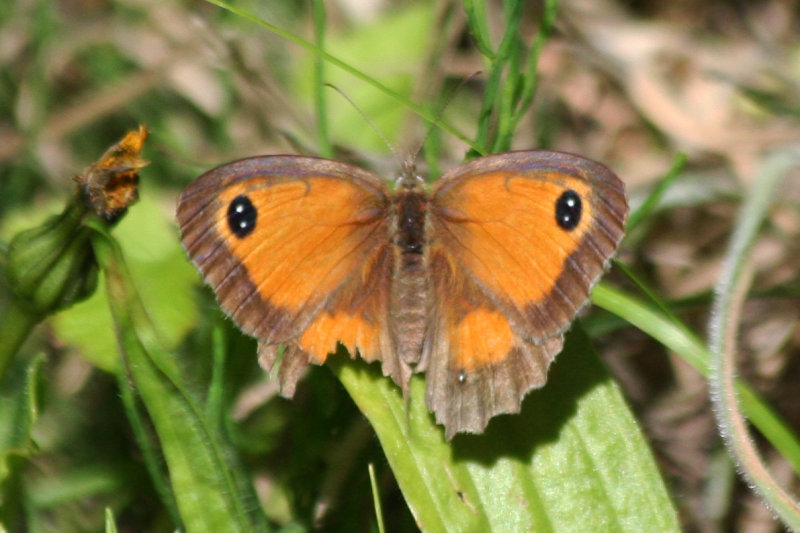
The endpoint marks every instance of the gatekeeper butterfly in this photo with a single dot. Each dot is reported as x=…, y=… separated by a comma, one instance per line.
x=472, y=282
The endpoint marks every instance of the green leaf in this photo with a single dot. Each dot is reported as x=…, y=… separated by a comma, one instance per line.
x=574, y=459
x=18, y=411
x=111, y=524
x=211, y=490
x=655, y=196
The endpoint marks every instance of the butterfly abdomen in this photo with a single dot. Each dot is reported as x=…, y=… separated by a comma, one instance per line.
x=410, y=287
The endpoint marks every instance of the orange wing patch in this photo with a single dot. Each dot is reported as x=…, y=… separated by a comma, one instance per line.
x=482, y=337
x=355, y=334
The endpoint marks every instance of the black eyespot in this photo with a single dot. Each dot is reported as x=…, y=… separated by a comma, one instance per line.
x=242, y=216
x=568, y=210
x=462, y=377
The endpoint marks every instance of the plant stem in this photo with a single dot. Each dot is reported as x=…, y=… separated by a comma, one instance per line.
x=14, y=329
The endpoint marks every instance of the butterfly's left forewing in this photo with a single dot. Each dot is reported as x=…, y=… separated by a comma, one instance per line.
x=297, y=251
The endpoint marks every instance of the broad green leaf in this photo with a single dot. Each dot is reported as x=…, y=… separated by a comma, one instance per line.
x=574, y=459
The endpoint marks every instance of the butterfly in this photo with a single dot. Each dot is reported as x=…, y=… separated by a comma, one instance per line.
x=472, y=281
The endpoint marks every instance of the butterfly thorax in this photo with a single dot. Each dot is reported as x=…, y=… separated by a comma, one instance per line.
x=410, y=210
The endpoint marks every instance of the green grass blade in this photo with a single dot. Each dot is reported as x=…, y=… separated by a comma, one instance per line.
x=376, y=499
x=111, y=524
x=574, y=456
x=497, y=84
x=506, y=102
x=510, y=87
x=508, y=59
x=531, y=79
x=653, y=199
x=675, y=336
x=321, y=112
x=479, y=26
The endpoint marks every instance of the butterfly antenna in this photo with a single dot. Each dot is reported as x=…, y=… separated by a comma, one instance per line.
x=410, y=162
x=369, y=121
